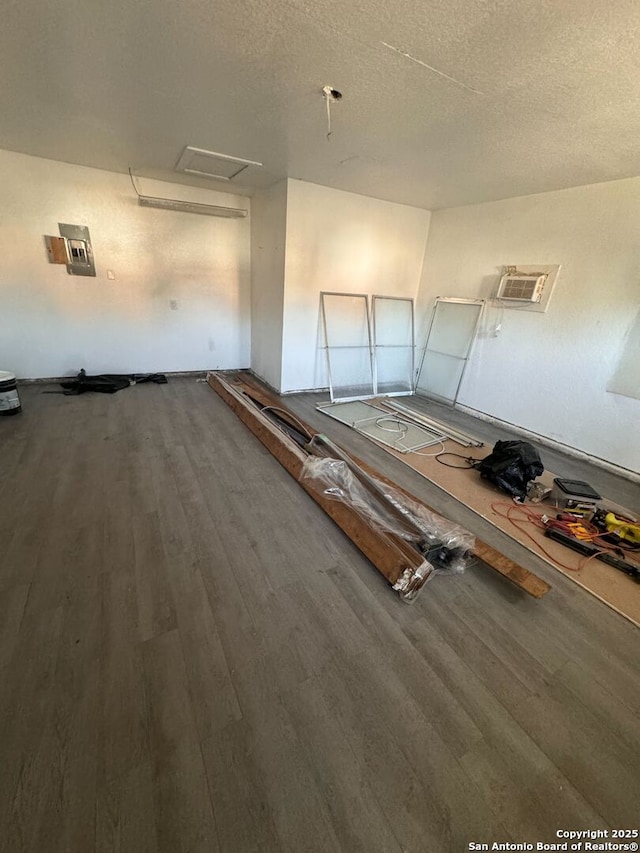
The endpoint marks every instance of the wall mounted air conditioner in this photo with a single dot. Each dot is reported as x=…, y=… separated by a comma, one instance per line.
x=515, y=287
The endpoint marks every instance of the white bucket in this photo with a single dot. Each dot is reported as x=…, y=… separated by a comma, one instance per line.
x=9, y=398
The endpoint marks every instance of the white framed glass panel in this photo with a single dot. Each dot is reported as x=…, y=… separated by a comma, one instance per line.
x=347, y=337
x=454, y=324
x=453, y=328
x=386, y=427
x=393, y=333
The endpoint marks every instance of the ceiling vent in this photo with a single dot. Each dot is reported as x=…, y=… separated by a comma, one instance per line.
x=521, y=288
x=208, y=164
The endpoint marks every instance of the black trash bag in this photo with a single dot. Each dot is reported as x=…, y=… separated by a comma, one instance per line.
x=511, y=466
x=108, y=383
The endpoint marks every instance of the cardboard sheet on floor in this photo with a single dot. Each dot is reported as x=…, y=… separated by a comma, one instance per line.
x=610, y=585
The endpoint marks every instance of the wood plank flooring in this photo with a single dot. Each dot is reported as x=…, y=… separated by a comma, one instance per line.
x=194, y=659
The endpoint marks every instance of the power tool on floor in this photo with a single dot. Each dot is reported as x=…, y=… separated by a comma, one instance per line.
x=600, y=537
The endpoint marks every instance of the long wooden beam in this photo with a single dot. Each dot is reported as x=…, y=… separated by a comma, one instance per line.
x=372, y=543
x=517, y=574
x=396, y=559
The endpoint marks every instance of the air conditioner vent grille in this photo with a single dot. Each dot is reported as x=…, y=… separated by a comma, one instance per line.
x=521, y=288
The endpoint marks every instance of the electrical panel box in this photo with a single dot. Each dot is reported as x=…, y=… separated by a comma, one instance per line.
x=79, y=251
x=72, y=248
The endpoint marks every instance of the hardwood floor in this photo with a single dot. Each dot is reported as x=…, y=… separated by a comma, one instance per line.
x=193, y=658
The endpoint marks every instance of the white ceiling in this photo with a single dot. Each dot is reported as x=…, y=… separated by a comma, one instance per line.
x=508, y=97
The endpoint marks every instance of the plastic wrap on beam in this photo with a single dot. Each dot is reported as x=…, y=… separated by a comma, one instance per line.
x=446, y=547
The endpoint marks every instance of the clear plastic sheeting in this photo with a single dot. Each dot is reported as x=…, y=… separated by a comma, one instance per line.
x=445, y=546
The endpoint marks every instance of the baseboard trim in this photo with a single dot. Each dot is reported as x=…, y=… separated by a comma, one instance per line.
x=305, y=391
x=611, y=467
x=287, y=393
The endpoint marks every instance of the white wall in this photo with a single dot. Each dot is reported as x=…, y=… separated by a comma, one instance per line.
x=549, y=373
x=52, y=324
x=340, y=241
x=268, y=240
x=626, y=379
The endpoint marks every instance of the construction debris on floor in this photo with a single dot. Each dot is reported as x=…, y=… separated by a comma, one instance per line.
x=559, y=520
x=403, y=537
x=108, y=383
x=446, y=430
x=385, y=427
x=512, y=466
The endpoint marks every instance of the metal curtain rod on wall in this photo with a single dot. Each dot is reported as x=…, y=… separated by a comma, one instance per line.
x=188, y=206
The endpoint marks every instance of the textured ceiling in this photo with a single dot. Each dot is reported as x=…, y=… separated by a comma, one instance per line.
x=506, y=97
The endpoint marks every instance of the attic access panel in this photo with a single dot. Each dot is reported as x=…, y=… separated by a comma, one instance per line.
x=210, y=164
x=393, y=334
x=347, y=344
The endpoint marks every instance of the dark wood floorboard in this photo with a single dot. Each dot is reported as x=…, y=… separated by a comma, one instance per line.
x=194, y=659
